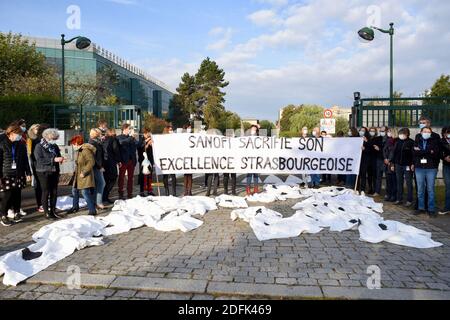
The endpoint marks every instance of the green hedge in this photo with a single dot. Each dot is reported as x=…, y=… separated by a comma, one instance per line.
x=31, y=108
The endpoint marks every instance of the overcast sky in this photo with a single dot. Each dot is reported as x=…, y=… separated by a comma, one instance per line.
x=274, y=52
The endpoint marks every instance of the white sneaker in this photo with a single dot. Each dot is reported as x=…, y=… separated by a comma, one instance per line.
x=10, y=214
x=22, y=213
x=444, y=213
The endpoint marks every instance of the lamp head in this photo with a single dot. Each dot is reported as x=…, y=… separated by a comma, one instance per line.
x=83, y=43
x=366, y=34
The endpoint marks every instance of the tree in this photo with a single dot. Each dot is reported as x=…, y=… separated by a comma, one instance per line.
x=306, y=116
x=23, y=70
x=288, y=112
x=342, y=124
x=229, y=120
x=182, y=104
x=209, y=97
x=441, y=88
x=154, y=124
x=267, y=125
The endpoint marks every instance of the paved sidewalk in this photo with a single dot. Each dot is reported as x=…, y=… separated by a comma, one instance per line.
x=223, y=259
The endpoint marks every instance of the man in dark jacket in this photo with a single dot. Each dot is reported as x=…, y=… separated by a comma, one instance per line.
x=128, y=160
x=111, y=160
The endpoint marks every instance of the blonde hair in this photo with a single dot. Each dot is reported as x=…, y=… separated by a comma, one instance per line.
x=95, y=133
x=394, y=132
x=31, y=133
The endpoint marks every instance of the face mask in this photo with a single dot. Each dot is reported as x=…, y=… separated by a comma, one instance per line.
x=382, y=134
x=426, y=136
x=448, y=136
x=23, y=129
x=18, y=138
x=372, y=134
x=389, y=135
x=421, y=126
x=253, y=133
x=188, y=130
x=362, y=133
x=51, y=142
x=402, y=137
x=77, y=148
x=314, y=134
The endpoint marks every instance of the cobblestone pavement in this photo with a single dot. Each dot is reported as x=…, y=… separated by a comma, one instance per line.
x=224, y=260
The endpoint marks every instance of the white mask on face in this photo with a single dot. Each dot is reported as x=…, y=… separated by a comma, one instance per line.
x=189, y=130
x=77, y=148
x=52, y=142
x=382, y=134
x=372, y=134
x=18, y=138
x=362, y=133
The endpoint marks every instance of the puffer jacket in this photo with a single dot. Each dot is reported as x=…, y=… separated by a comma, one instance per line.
x=99, y=153
x=85, y=163
x=6, y=159
x=45, y=160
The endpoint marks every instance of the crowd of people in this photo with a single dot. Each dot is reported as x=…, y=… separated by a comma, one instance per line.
x=32, y=155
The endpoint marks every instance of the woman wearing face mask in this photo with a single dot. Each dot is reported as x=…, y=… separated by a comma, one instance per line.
x=254, y=131
x=375, y=147
x=96, y=140
x=14, y=172
x=378, y=158
x=426, y=162
x=350, y=179
x=34, y=138
x=365, y=159
x=84, y=180
x=401, y=159
x=389, y=168
x=48, y=159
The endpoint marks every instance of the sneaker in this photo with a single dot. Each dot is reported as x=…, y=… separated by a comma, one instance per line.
x=41, y=209
x=17, y=218
x=376, y=194
x=444, y=213
x=408, y=204
x=6, y=222
x=22, y=213
x=59, y=215
x=10, y=214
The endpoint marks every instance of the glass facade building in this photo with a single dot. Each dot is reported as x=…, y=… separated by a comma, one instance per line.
x=133, y=85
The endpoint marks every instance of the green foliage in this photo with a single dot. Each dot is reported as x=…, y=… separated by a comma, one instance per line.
x=23, y=70
x=267, y=125
x=288, y=112
x=342, y=124
x=441, y=88
x=306, y=116
x=31, y=108
x=229, y=120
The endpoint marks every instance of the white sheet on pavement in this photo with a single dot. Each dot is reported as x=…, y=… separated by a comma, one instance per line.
x=65, y=203
x=226, y=201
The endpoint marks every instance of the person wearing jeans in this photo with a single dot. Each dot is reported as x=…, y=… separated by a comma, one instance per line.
x=445, y=144
x=95, y=140
x=426, y=152
x=84, y=180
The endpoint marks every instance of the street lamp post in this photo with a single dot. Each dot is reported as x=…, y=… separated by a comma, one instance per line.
x=368, y=34
x=82, y=43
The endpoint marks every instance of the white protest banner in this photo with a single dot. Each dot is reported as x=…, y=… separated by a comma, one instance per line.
x=200, y=153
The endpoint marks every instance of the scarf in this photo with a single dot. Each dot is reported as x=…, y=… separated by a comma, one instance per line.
x=49, y=147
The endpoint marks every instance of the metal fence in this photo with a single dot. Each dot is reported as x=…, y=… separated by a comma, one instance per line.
x=405, y=112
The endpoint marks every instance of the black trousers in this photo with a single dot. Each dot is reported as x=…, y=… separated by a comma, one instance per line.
x=10, y=199
x=49, y=184
x=166, y=184
x=37, y=188
x=212, y=178
x=226, y=179
x=110, y=182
